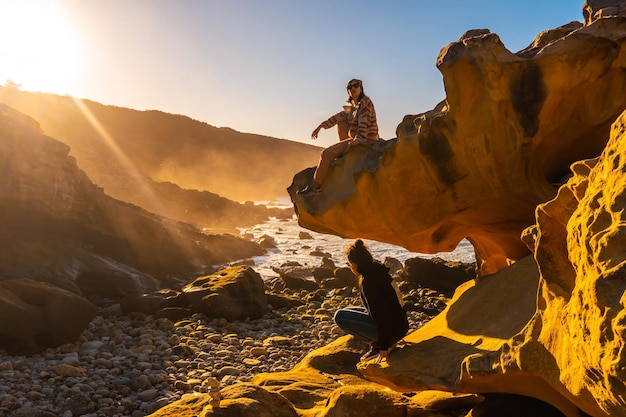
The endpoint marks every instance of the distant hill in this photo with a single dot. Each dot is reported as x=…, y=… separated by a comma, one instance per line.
x=115, y=145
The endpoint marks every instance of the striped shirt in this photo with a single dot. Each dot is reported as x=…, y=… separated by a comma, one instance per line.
x=362, y=120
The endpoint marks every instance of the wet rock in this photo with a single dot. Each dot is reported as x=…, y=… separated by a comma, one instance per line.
x=266, y=242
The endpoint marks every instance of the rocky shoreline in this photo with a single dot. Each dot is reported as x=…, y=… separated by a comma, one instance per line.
x=134, y=364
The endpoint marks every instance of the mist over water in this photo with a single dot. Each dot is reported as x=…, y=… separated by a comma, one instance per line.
x=291, y=247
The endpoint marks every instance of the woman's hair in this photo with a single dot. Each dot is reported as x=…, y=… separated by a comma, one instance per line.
x=350, y=99
x=359, y=255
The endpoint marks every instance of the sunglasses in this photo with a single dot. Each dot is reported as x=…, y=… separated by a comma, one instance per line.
x=350, y=86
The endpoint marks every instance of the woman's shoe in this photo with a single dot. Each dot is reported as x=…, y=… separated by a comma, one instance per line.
x=371, y=354
x=310, y=190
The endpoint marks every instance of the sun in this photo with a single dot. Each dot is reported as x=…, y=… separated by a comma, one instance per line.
x=39, y=48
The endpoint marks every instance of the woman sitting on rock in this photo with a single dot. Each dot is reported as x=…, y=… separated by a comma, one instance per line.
x=356, y=124
x=381, y=321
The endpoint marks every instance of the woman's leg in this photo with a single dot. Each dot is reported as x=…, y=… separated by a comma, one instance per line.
x=343, y=126
x=356, y=321
x=328, y=154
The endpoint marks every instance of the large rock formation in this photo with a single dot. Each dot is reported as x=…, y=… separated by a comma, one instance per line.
x=549, y=326
x=501, y=143
x=580, y=248
x=487, y=164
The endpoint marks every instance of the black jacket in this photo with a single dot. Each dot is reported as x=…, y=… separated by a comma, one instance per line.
x=382, y=303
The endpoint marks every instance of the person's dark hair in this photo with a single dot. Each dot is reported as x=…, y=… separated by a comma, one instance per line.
x=360, y=97
x=359, y=255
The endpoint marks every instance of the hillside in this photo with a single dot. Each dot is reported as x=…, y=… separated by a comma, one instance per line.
x=113, y=144
x=58, y=227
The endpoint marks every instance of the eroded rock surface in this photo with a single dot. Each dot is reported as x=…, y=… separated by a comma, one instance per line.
x=582, y=301
x=501, y=143
x=550, y=326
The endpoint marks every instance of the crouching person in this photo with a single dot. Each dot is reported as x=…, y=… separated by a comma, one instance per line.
x=381, y=321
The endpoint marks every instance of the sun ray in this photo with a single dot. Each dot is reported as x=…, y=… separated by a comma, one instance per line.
x=128, y=165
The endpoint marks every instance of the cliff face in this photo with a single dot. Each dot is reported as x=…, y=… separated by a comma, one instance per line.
x=551, y=326
x=580, y=248
x=58, y=227
x=501, y=143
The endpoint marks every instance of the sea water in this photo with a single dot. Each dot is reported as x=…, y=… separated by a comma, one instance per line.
x=294, y=245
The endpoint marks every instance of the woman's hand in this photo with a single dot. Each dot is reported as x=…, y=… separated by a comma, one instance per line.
x=316, y=132
x=356, y=141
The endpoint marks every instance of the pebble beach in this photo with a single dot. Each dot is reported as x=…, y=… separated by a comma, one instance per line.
x=133, y=365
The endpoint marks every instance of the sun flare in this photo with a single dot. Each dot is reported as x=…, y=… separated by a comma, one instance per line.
x=40, y=49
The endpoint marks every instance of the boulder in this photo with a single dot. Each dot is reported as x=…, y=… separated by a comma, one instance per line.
x=297, y=283
x=233, y=293
x=478, y=164
x=282, y=301
x=239, y=289
x=436, y=274
x=327, y=263
x=321, y=273
x=151, y=303
x=35, y=316
x=297, y=277
x=393, y=264
x=342, y=277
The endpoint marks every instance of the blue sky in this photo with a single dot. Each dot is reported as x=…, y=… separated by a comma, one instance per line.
x=272, y=67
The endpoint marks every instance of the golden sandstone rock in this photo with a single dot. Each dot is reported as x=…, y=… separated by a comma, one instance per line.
x=551, y=325
x=580, y=319
x=564, y=346
x=501, y=143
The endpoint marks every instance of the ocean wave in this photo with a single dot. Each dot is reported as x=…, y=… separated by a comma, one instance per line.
x=296, y=244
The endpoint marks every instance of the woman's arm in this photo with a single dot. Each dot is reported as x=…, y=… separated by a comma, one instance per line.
x=330, y=122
